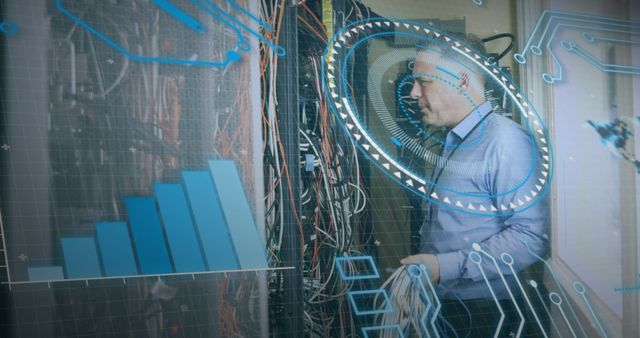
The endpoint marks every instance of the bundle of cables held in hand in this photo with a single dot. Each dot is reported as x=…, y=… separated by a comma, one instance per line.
x=409, y=296
x=413, y=304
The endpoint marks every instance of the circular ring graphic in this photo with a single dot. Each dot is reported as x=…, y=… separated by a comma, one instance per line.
x=555, y=298
x=536, y=50
x=522, y=196
x=414, y=271
x=415, y=123
x=9, y=28
x=506, y=258
x=475, y=257
x=579, y=287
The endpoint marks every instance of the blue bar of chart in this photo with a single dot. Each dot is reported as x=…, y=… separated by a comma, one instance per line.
x=210, y=222
x=238, y=214
x=203, y=224
x=115, y=249
x=45, y=273
x=178, y=225
x=80, y=257
x=147, y=235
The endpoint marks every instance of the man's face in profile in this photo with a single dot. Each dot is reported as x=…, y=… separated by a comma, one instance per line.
x=437, y=93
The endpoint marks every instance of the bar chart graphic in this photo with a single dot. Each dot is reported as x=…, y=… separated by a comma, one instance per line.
x=202, y=224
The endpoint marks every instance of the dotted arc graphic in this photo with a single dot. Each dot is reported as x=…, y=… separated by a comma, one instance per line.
x=335, y=59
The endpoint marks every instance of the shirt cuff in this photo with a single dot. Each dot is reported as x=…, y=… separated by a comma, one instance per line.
x=449, y=265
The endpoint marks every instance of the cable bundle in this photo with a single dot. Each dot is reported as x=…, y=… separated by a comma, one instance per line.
x=332, y=202
x=408, y=301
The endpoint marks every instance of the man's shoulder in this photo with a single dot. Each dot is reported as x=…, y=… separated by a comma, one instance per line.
x=504, y=137
x=502, y=128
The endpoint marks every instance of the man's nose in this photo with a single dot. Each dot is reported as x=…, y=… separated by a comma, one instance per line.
x=415, y=91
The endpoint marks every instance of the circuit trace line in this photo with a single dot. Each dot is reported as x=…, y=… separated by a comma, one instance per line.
x=551, y=22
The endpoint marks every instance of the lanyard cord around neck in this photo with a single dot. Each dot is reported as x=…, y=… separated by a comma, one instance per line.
x=434, y=181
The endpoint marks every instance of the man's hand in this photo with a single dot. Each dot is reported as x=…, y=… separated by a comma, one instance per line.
x=429, y=261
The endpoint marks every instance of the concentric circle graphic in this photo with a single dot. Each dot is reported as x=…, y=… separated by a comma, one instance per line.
x=529, y=190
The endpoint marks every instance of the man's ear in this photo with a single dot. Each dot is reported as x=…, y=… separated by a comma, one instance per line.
x=464, y=80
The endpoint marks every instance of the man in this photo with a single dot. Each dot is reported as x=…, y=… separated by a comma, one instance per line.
x=450, y=92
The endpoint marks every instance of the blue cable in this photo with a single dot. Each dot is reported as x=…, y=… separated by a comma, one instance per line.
x=447, y=323
x=465, y=308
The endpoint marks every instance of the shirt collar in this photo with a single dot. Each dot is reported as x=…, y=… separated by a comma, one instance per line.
x=465, y=126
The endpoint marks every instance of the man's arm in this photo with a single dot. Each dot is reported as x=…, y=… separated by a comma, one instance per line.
x=526, y=230
x=521, y=232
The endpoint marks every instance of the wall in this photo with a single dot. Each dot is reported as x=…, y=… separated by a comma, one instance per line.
x=592, y=212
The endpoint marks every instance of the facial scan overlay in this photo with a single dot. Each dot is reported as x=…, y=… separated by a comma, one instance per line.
x=447, y=83
x=447, y=124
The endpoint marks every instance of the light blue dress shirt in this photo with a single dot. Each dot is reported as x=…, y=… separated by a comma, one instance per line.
x=499, y=155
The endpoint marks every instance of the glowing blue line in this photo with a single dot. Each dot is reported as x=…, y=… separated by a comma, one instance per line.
x=247, y=13
x=542, y=193
x=569, y=16
x=231, y=55
x=242, y=43
x=555, y=279
x=280, y=50
x=593, y=314
x=592, y=18
x=592, y=28
x=447, y=72
x=600, y=38
x=443, y=54
x=603, y=66
x=437, y=300
x=470, y=144
x=546, y=309
x=415, y=280
x=600, y=18
x=387, y=307
x=628, y=288
x=560, y=25
x=544, y=32
x=423, y=291
x=524, y=293
x=404, y=110
x=365, y=330
x=566, y=320
x=535, y=30
x=557, y=66
x=372, y=268
x=504, y=281
x=179, y=15
x=515, y=87
x=347, y=97
x=423, y=318
x=589, y=27
x=8, y=28
x=495, y=299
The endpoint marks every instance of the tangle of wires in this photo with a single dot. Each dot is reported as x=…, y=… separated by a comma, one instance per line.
x=411, y=294
x=333, y=202
x=334, y=198
x=118, y=126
